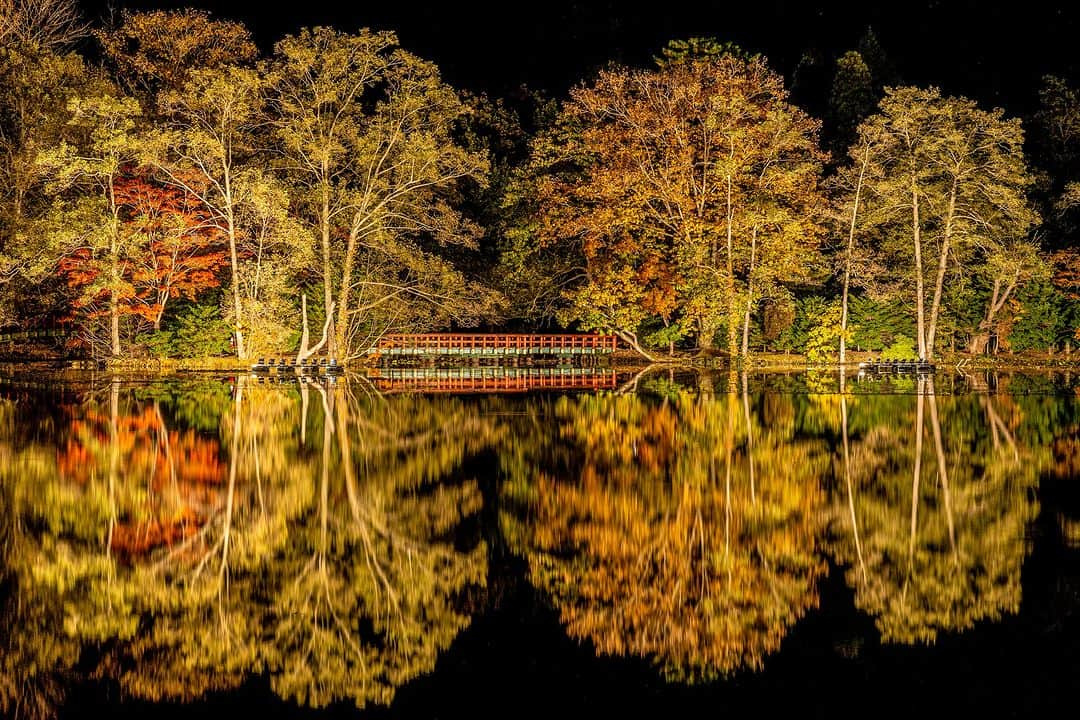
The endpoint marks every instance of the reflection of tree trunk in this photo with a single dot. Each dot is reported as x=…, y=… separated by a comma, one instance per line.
x=943, y=473
x=234, y=458
x=114, y=458
x=255, y=453
x=916, y=475
x=847, y=478
x=749, y=437
x=163, y=433
x=998, y=428
x=729, y=442
x=304, y=402
x=362, y=524
x=631, y=385
x=324, y=493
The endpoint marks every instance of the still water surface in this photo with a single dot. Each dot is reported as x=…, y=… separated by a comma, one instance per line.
x=766, y=543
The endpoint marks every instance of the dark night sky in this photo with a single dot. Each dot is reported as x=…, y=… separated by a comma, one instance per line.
x=994, y=52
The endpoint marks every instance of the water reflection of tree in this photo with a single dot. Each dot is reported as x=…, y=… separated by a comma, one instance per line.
x=932, y=499
x=675, y=529
x=322, y=554
x=372, y=576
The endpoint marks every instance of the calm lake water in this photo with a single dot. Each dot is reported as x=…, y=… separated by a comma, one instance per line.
x=657, y=544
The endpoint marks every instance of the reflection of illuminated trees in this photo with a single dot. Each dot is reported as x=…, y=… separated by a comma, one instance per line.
x=33, y=656
x=659, y=540
x=371, y=577
x=323, y=555
x=933, y=498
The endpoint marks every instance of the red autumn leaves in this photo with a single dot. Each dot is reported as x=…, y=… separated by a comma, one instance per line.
x=171, y=250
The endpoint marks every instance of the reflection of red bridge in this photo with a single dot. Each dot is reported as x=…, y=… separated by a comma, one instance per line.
x=491, y=379
x=494, y=344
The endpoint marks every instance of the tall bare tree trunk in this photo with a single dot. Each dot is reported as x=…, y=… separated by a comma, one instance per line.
x=342, y=330
x=733, y=313
x=848, y=253
x=916, y=231
x=114, y=275
x=939, y=281
x=328, y=278
x=749, y=294
x=238, y=307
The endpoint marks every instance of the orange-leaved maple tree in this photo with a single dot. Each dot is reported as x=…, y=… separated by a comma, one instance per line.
x=172, y=250
x=182, y=252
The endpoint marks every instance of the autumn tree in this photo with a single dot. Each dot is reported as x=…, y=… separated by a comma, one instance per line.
x=178, y=250
x=157, y=50
x=49, y=25
x=679, y=182
x=369, y=133
x=37, y=86
x=87, y=228
x=952, y=179
x=205, y=149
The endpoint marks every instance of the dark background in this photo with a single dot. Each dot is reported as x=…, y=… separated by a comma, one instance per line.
x=992, y=51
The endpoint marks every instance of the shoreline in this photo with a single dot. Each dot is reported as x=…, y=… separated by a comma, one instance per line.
x=619, y=362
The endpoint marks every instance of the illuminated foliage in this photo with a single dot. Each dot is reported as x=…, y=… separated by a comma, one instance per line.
x=692, y=191
x=157, y=50
x=682, y=535
x=932, y=510
x=320, y=554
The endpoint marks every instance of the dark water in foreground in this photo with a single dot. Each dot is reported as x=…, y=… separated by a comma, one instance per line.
x=721, y=544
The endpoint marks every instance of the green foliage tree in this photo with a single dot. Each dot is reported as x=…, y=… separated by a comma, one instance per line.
x=1040, y=322
x=851, y=99
x=197, y=331
x=875, y=324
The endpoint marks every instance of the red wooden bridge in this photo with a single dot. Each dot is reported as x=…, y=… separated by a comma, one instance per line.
x=490, y=380
x=494, y=344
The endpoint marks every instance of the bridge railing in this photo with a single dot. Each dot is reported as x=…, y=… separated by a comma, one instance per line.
x=493, y=343
x=504, y=383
